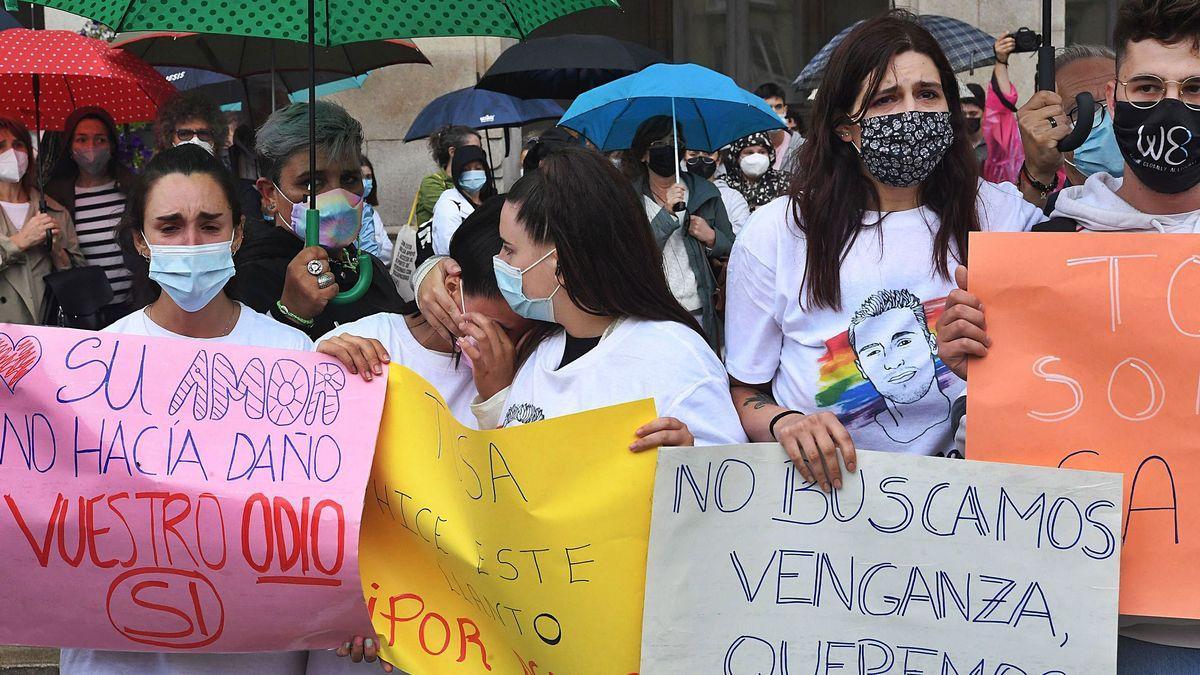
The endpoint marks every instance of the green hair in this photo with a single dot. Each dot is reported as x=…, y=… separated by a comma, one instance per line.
x=285, y=133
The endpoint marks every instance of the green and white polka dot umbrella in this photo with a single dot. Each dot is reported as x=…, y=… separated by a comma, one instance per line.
x=338, y=22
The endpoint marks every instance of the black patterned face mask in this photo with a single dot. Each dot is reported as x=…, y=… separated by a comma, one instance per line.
x=902, y=149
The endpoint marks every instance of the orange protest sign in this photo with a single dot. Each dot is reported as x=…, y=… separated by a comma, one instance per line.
x=1094, y=365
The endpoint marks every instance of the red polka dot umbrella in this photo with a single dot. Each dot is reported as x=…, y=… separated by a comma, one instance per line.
x=74, y=71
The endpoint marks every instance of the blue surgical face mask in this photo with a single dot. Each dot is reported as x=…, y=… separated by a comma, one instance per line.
x=368, y=186
x=473, y=181
x=192, y=275
x=1100, y=152
x=512, y=287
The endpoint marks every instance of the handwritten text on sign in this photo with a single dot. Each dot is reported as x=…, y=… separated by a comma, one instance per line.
x=917, y=565
x=167, y=495
x=1094, y=365
x=519, y=551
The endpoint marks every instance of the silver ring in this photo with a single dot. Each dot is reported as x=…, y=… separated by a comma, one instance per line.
x=1053, y=123
x=326, y=280
x=316, y=268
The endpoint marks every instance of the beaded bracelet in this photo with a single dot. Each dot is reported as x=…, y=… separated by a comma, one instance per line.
x=294, y=318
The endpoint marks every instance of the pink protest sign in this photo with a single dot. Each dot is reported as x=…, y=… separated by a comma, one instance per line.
x=163, y=495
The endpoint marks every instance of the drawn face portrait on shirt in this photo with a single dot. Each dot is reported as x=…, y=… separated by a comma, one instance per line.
x=895, y=356
x=893, y=346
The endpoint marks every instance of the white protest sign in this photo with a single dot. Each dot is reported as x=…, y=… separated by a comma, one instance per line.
x=919, y=565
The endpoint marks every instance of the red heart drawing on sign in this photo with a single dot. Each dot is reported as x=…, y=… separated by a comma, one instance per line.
x=17, y=359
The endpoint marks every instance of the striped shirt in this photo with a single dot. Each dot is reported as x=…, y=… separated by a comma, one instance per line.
x=97, y=212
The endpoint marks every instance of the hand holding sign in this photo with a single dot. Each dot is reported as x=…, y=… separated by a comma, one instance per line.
x=480, y=556
x=173, y=493
x=917, y=565
x=962, y=328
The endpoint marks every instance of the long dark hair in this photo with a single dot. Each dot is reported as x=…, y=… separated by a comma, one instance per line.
x=579, y=203
x=189, y=160
x=831, y=193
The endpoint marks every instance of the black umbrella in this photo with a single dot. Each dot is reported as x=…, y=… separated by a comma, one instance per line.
x=564, y=67
x=1084, y=102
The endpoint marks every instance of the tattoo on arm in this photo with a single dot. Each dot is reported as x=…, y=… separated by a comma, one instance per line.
x=759, y=399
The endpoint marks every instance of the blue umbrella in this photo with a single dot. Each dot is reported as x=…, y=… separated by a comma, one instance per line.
x=480, y=109
x=965, y=45
x=186, y=79
x=710, y=107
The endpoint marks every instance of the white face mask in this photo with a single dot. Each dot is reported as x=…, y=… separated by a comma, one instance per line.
x=755, y=165
x=195, y=140
x=13, y=164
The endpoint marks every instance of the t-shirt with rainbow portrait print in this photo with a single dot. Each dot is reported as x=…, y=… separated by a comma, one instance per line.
x=873, y=361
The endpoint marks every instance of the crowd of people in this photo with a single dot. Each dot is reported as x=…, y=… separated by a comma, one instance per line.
x=806, y=290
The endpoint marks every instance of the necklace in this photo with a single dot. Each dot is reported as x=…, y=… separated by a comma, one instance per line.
x=229, y=325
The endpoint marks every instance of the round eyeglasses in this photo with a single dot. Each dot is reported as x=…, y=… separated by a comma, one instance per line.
x=1145, y=91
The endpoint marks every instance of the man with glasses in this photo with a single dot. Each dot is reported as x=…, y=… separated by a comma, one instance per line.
x=1078, y=68
x=1154, y=105
x=1153, y=108
x=192, y=118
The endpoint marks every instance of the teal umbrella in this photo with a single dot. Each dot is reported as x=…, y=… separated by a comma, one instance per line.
x=328, y=88
x=327, y=23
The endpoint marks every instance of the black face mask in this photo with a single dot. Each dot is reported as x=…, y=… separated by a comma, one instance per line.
x=662, y=160
x=1161, y=145
x=703, y=167
x=974, y=124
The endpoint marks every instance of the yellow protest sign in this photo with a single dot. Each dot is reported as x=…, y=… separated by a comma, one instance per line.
x=518, y=551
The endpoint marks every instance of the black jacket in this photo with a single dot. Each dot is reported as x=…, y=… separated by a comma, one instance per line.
x=262, y=263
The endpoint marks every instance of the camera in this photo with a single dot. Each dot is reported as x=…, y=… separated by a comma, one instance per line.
x=1027, y=40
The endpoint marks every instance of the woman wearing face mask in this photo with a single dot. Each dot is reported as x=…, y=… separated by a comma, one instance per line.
x=748, y=170
x=443, y=143
x=832, y=290
x=191, y=118
x=473, y=185
x=457, y=368
x=374, y=238
x=90, y=184
x=25, y=255
x=184, y=223
x=276, y=272
x=577, y=253
x=688, y=218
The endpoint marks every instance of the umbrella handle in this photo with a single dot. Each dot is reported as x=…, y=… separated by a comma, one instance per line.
x=366, y=268
x=1086, y=107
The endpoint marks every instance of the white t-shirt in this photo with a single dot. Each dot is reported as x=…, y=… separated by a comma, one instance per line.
x=451, y=209
x=252, y=330
x=663, y=360
x=873, y=362
x=454, y=381
x=17, y=213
